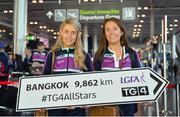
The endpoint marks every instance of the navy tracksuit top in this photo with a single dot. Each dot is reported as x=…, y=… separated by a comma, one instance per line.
x=39, y=57
x=64, y=62
x=109, y=62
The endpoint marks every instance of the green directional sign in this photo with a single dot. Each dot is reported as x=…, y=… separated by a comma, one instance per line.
x=97, y=12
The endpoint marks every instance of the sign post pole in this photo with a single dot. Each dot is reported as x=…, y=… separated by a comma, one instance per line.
x=164, y=41
x=178, y=102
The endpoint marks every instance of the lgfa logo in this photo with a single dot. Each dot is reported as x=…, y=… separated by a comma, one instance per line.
x=132, y=79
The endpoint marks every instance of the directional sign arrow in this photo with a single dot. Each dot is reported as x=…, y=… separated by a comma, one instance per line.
x=49, y=14
x=93, y=88
x=161, y=83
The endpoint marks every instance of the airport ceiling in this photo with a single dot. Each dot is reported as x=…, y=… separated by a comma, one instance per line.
x=37, y=13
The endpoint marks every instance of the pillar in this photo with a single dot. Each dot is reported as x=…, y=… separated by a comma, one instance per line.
x=20, y=26
x=95, y=43
x=85, y=37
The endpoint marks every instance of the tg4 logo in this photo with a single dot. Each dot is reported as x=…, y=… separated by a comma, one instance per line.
x=135, y=91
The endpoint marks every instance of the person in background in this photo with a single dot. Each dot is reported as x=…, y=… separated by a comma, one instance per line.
x=67, y=56
x=38, y=58
x=114, y=53
x=3, y=63
x=17, y=63
x=8, y=94
x=160, y=68
x=3, y=76
x=27, y=63
x=10, y=61
x=8, y=48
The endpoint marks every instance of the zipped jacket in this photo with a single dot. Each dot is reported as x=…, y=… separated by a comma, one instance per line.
x=64, y=62
x=130, y=60
x=39, y=57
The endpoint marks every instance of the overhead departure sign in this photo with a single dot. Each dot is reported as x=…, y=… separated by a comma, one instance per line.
x=96, y=12
x=96, y=88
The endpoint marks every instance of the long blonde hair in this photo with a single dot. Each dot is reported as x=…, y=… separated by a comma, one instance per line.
x=79, y=55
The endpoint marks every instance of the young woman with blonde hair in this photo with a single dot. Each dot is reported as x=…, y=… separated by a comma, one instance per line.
x=67, y=56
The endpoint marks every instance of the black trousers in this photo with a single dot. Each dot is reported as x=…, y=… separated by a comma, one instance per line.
x=8, y=96
x=127, y=109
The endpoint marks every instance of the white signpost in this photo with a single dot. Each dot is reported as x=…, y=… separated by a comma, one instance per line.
x=95, y=88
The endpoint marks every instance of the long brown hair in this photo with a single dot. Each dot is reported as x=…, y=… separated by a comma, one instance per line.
x=79, y=55
x=103, y=44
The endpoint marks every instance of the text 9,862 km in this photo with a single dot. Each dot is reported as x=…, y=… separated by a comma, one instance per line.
x=88, y=83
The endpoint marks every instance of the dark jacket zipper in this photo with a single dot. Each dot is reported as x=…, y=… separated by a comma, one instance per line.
x=68, y=59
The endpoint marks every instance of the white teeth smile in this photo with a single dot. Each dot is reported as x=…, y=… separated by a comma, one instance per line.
x=69, y=40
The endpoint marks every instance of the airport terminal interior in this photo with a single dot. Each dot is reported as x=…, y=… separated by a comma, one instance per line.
x=152, y=29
